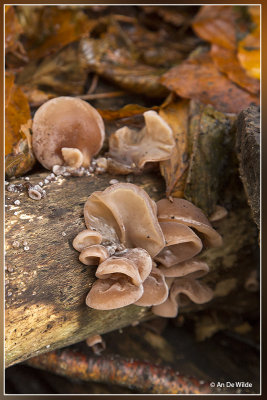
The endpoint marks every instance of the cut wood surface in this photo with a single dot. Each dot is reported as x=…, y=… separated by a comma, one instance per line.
x=46, y=285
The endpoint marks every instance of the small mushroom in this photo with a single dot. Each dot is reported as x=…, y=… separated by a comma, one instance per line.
x=125, y=214
x=133, y=149
x=86, y=238
x=186, y=213
x=134, y=263
x=108, y=294
x=155, y=289
x=97, y=344
x=94, y=255
x=181, y=290
x=67, y=131
x=181, y=244
x=190, y=269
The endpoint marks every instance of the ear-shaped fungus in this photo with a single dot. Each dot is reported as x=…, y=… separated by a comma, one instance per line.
x=181, y=244
x=67, y=131
x=133, y=149
x=107, y=294
x=181, y=290
x=191, y=269
x=155, y=289
x=125, y=214
x=86, y=238
x=136, y=264
x=94, y=255
x=184, y=212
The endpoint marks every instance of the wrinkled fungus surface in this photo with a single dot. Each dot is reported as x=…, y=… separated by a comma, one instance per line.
x=145, y=252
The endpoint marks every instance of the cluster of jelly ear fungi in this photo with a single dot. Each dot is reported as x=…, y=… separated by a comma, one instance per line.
x=145, y=252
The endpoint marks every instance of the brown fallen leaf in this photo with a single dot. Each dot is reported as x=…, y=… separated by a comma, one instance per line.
x=217, y=24
x=48, y=29
x=174, y=170
x=64, y=73
x=127, y=111
x=227, y=62
x=105, y=58
x=198, y=78
x=12, y=29
x=14, y=51
x=18, y=152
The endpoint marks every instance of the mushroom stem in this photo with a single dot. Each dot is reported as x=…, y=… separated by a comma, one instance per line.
x=73, y=157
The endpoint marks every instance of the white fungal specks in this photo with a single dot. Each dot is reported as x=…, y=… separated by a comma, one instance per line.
x=63, y=234
x=15, y=244
x=47, y=346
x=9, y=293
x=113, y=181
x=17, y=202
x=46, y=181
x=26, y=248
x=27, y=178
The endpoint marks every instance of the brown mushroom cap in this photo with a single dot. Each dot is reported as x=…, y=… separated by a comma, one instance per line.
x=86, y=238
x=190, y=269
x=66, y=122
x=94, y=255
x=155, y=289
x=124, y=213
x=108, y=294
x=115, y=267
x=196, y=291
x=134, y=263
x=181, y=244
x=186, y=213
x=153, y=143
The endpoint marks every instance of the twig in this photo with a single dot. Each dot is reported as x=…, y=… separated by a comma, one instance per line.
x=137, y=375
x=100, y=95
x=93, y=84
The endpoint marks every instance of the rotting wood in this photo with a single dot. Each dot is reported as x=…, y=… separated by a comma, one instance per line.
x=46, y=285
x=248, y=148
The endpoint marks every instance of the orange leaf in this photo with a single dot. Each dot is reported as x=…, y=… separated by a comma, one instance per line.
x=12, y=29
x=217, y=24
x=227, y=62
x=19, y=157
x=249, y=47
x=198, y=78
x=54, y=29
x=174, y=170
x=127, y=111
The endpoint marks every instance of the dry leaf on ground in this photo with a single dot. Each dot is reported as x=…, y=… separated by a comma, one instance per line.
x=198, y=78
x=249, y=47
x=19, y=156
x=217, y=24
x=227, y=62
x=174, y=170
x=49, y=29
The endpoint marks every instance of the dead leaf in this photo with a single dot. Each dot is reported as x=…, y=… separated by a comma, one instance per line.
x=118, y=66
x=127, y=111
x=227, y=62
x=63, y=73
x=174, y=170
x=198, y=78
x=217, y=24
x=249, y=47
x=12, y=29
x=19, y=156
x=48, y=29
